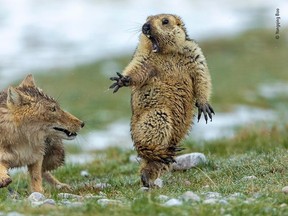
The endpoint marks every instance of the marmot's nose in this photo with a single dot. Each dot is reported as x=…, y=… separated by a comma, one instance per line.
x=146, y=28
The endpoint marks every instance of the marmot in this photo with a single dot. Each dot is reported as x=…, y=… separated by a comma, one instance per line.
x=169, y=78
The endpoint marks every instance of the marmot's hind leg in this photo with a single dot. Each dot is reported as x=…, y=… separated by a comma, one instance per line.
x=151, y=170
x=152, y=134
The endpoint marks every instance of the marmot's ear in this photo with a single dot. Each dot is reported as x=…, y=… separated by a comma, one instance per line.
x=28, y=81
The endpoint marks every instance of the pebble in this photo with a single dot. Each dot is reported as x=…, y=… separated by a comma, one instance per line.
x=187, y=161
x=105, y=202
x=235, y=196
x=49, y=202
x=190, y=196
x=283, y=205
x=158, y=182
x=212, y=195
x=13, y=213
x=210, y=201
x=249, y=178
x=223, y=202
x=91, y=196
x=36, y=197
x=13, y=194
x=173, y=202
x=71, y=204
x=285, y=189
x=102, y=186
x=69, y=196
x=84, y=173
x=144, y=189
x=163, y=198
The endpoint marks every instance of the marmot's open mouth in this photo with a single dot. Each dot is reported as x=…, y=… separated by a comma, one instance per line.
x=155, y=44
x=67, y=132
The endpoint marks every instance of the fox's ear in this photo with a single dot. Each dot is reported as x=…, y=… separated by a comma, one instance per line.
x=14, y=97
x=28, y=81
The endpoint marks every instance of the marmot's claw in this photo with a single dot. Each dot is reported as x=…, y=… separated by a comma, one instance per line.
x=120, y=82
x=206, y=109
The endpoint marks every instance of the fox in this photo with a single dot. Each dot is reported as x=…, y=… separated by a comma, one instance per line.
x=32, y=129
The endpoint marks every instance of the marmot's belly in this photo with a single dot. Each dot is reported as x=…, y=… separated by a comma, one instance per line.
x=175, y=103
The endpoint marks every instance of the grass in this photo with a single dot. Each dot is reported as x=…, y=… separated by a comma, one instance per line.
x=238, y=66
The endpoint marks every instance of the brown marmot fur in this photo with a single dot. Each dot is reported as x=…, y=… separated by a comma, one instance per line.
x=169, y=78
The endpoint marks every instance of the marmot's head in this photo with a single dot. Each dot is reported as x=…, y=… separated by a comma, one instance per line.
x=163, y=33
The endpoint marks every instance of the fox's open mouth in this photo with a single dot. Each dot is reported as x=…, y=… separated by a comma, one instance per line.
x=155, y=44
x=69, y=134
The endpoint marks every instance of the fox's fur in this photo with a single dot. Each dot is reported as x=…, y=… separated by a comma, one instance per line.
x=32, y=126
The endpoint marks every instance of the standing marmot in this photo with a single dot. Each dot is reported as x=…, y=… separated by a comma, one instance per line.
x=169, y=78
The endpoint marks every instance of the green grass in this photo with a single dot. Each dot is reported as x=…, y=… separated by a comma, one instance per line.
x=238, y=66
x=229, y=161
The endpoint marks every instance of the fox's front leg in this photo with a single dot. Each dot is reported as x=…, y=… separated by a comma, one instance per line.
x=53, y=181
x=35, y=171
x=4, y=177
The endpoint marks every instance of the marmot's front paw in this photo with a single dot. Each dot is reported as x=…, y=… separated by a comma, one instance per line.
x=205, y=109
x=120, y=82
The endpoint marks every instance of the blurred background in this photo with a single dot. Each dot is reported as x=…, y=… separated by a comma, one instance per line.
x=72, y=47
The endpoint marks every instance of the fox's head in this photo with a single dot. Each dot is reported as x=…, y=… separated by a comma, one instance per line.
x=31, y=108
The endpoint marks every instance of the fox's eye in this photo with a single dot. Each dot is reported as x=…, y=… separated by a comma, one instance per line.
x=53, y=109
x=165, y=21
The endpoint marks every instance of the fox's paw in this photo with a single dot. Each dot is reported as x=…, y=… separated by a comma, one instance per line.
x=120, y=82
x=63, y=187
x=205, y=109
x=5, y=180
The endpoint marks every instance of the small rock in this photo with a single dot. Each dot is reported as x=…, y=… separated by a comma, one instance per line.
x=91, y=196
x=36, y=197
x=235, y=196
x=144, y=189
x=69, y=196
x=163, y=198
x=71, y=204
x=102, y=186
x=84, y=173
x=187, y=161
x=223, y=202
x=36, y=203
x=13, y=194
x=249, y=201
x=214, y=195
x=257, y=195
x=173, y=202
x=283, y=205
x=285, y=189
x=210, y=201
x=249, y=178
x=190, y=196
x=158, y=182
x=13, y=213
x=49, y=202
x=105, y=202
x=187, y=183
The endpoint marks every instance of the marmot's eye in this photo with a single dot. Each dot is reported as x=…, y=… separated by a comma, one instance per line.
x=53, y=109
x=165, y=21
